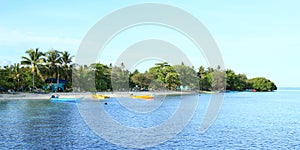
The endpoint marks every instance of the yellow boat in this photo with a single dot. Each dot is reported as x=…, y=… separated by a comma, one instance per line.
x=146, y=97
x=100, y=96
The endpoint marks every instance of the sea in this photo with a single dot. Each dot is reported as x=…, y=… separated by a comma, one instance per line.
x=246, y=120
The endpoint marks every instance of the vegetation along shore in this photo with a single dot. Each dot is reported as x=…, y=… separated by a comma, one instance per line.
x=54, y=71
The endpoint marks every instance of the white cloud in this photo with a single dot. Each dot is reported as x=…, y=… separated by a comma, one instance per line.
x=14, y=43
x=11, y=38
x=8, y=60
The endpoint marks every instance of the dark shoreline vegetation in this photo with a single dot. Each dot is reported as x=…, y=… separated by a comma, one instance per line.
x=43, y=70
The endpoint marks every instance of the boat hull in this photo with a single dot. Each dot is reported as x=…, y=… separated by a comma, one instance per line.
x=146, y=97
x=74, y=100
x=100, y=96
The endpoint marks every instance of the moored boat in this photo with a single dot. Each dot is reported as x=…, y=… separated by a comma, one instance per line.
x=146, y=97
x=56, y=99
x=100, y=96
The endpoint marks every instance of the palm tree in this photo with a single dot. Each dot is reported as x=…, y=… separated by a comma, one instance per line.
x=16, y=75
x=34, y=59
x=53, y=60
x=66, y=59
x=83, y=78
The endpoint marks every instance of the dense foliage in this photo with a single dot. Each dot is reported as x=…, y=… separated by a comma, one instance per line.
x=261, y=84
x=36, y=66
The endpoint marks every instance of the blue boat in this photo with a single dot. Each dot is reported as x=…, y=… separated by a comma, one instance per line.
x=74, y=100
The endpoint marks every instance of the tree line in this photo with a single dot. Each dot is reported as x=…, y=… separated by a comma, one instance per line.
x=36, y=66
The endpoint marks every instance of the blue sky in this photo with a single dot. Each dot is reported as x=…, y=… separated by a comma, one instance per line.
x=258, y=38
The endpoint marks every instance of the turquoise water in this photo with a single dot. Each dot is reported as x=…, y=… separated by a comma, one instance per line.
x=246, y=121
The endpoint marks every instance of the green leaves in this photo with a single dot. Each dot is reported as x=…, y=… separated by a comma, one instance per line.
x=235, y=82
x=159, y=77
x=261, y=84
x=143, y=80
x=102, y=76
x=166, y=74
x=34, y=59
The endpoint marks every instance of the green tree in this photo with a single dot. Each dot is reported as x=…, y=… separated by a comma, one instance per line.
x=132, y=84
x=241, y=84
x=205, y=78
x=66, y=60
x=159, y=71
x=201, y=72
x=262, y=84
x=172, y=81
x=166, y=74
x=53, y=63
x=143, y=80
x=120, y=78
x=102, y=76
x=83, y=79
x=187, y=76
x=4, y=80
x=218, y=80
x=34, y=60
x=235, y=82
x=16, y=75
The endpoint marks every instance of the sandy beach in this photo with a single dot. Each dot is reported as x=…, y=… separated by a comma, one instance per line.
x=87, y=95
x=33, y=96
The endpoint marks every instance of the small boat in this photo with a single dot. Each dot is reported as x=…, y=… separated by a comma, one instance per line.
x=146, y=97
x=74, y=100
x=100, y=96
x=209, y=92
x=251, y=90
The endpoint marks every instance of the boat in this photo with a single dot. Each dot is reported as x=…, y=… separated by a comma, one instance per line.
x=74, y=100
x=209, y=92
x=146, y=97
x=251, y=90
x=100, y=96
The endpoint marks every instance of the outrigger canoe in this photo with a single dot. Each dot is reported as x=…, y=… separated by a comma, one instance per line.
x=100, y=96
x=146, y=97
x=74, y=100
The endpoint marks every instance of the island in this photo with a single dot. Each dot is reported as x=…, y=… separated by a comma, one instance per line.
x=54, y=71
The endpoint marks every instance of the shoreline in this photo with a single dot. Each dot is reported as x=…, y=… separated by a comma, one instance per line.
x=88, y=95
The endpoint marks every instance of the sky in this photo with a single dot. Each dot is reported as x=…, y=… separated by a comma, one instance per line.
x=258, y=38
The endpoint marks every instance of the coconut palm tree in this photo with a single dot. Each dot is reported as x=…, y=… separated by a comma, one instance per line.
x=54, y=62
x=16, y=75
x=34, y=60
x=83, y=78
x=66, y=59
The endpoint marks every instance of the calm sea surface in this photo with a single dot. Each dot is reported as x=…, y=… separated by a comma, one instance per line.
x=247, y=121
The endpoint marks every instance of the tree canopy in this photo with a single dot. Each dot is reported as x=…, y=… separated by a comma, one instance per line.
x=101, y=77
x=262, y=84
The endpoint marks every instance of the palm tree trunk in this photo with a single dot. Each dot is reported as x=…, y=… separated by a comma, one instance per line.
x=57, y=82
x=33, y=80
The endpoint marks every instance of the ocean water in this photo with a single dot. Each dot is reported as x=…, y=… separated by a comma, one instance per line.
x=247, y=120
